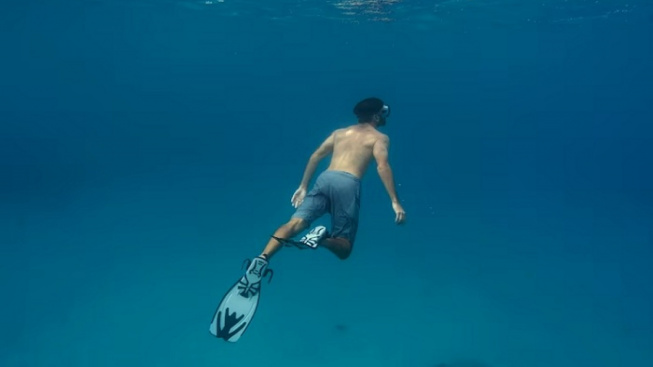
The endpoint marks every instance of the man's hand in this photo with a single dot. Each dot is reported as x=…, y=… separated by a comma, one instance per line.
x=298, y=197
x=400, y=214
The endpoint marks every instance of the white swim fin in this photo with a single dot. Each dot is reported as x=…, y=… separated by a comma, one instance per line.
x=238, y=306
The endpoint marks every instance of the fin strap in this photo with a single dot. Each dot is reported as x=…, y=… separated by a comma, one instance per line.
x=288, y=243
x=268, y=271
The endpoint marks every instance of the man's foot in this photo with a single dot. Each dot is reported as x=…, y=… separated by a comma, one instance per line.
x=257, y=266
x=312, y=239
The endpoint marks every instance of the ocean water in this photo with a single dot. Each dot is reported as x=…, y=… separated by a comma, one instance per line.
x=148, y=147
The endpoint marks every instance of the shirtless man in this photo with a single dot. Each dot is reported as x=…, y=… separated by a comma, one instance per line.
x=337, y=192
x=337, y=189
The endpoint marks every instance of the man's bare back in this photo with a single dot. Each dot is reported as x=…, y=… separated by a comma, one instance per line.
x=354, y=147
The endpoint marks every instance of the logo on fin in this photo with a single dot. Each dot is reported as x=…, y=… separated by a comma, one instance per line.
x=230, y=320
x=248, y=289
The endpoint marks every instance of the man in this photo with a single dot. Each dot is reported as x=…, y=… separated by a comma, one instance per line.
x=337, y=192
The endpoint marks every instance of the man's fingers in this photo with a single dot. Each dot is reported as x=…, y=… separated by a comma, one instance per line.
x=296, y=202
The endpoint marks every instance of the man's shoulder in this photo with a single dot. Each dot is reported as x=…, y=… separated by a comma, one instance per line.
x=347, y=127
x=382, y=137
x=375, y=134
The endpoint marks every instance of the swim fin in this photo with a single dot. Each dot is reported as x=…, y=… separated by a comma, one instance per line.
x=238, y=306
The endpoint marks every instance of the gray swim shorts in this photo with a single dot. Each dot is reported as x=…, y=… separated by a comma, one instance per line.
x=337, y=193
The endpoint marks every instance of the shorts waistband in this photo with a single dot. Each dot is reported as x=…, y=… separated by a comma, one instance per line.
x=342, y=173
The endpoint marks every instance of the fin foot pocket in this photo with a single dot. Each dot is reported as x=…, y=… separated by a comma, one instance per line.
x=313, y=238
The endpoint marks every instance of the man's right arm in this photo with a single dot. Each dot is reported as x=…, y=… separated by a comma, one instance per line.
x=380, y=151
x=322, y=151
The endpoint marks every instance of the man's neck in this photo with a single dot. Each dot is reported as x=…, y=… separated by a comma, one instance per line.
x=371, y=124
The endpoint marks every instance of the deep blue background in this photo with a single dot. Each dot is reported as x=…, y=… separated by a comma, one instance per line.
x=146, y=148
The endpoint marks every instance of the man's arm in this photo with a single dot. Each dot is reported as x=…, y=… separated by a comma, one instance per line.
x=322, y=151
x=380, y=152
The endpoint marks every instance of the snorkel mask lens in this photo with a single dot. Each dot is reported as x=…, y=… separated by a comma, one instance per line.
x=385, y=111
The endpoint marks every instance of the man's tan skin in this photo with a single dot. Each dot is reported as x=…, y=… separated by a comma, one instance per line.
x=352, y=149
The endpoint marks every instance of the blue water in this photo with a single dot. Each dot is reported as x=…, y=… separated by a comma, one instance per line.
x=148, y=147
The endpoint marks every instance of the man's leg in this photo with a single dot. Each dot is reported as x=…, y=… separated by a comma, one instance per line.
x=341, y=247
x=344, y=197
x=286, y=231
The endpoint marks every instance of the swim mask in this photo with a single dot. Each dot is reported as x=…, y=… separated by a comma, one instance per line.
x=385, y=111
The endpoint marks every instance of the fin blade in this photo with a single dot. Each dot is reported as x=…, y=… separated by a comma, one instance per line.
x=234, y=314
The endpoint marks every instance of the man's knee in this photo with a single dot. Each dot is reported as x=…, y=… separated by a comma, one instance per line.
x=344, y=253
x=341, y=247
